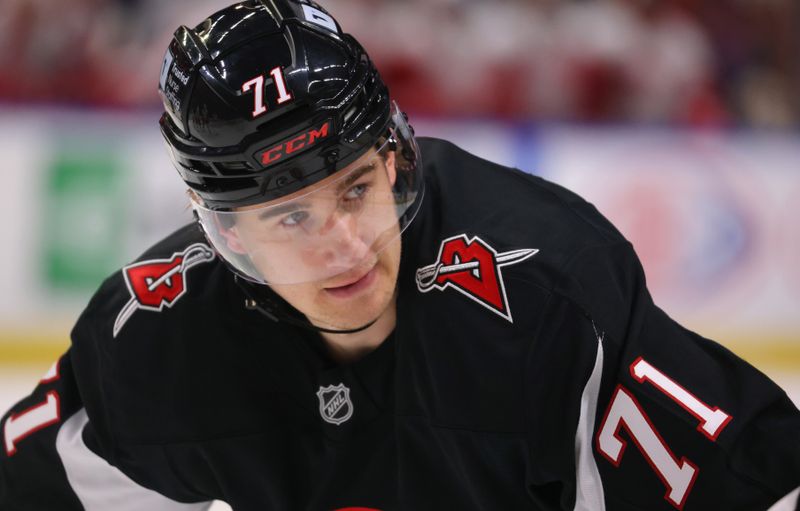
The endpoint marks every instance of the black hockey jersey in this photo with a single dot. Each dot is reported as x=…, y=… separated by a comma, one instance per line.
x=529, y=370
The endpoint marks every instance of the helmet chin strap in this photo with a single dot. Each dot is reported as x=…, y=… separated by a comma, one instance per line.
x=276, y=312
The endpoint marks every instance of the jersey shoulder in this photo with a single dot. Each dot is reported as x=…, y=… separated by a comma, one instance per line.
x=582, y=265
x=163, y=343
x=510, y=209
x=498, y=249
x=158, y=287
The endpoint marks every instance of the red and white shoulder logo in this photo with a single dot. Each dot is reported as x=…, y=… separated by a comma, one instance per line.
x=473, y=268
x=159, y=283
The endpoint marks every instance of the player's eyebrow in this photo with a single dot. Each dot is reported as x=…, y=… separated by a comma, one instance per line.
x=291, y=207
x=281, y=210
x=354, y=176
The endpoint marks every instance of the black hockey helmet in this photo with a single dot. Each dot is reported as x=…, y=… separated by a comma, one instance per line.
x=267, y=98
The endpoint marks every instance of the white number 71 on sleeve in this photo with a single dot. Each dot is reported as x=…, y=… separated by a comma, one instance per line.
x=624, y=411
x=21, y=424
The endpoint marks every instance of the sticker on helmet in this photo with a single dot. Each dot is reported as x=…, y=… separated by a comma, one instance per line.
x=320, y=18
x=168, y=58
x=257, y=86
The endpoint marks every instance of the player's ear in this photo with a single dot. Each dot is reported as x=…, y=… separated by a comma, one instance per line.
x=391, y=170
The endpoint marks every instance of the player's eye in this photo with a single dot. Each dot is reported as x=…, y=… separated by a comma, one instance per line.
x=353, y=200
x=294, y=219
x=357, y=191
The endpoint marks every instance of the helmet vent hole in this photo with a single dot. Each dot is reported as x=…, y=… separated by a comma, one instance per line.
x=350, y=113
x=201, y=167
x=233, y=168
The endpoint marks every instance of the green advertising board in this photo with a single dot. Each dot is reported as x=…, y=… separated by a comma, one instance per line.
x=84, y=218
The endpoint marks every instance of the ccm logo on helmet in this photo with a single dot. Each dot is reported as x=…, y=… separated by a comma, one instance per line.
x=295, y=144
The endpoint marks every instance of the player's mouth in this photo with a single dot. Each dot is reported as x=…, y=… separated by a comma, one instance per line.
x=352, y=286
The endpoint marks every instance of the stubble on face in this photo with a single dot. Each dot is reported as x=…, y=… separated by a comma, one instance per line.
x=328, y=311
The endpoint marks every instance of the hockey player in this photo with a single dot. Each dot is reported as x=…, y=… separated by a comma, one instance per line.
x=368, y=322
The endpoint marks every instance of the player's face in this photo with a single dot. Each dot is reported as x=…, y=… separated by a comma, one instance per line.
x=352, y=299
x=345, y=232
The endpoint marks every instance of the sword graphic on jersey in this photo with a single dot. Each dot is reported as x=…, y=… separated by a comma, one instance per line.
x=472, y=267
x=157, y=283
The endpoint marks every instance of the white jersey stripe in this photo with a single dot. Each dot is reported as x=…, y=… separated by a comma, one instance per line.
x=788, y=503
x=589, y=495
x=102, y=487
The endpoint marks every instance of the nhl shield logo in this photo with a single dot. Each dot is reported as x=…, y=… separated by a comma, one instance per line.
x=335, y=406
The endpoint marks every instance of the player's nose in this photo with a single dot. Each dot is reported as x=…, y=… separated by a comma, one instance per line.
x=343, y=246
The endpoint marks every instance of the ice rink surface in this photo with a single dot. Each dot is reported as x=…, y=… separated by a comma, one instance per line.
x=16, y=382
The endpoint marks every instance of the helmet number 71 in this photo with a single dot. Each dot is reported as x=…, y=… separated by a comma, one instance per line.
x=257, y=86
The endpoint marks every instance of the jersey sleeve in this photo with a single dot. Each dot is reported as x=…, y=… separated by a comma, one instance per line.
x=47, y=462
x=60, y=447
x=663, y=418
x=32, y=476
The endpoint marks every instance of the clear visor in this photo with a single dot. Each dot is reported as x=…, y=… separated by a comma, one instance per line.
x=337, y=225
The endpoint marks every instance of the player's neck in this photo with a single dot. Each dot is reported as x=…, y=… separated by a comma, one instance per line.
x=348, y=348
